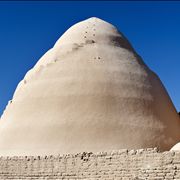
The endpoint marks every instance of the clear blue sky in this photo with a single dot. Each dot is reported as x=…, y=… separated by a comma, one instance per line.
x=29, y=29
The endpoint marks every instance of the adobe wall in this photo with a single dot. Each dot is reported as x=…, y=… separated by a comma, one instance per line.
x=123, y=164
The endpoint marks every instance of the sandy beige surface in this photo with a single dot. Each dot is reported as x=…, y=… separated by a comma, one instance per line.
x=90, y=92
x=176, y=147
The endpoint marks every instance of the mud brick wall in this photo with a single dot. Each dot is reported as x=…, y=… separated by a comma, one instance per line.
x=123, y=164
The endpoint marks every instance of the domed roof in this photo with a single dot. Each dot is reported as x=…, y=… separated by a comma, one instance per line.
x=90, y=92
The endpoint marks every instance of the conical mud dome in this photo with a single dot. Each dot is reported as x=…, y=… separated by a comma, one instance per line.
x=90, y=92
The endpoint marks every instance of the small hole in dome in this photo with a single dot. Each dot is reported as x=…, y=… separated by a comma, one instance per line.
x=94, y=57
x=86, y=32
x=93, y=34
x=94, y=29
x=99, y=58
x=84, y=36
x=90, y=41
x=25, y=81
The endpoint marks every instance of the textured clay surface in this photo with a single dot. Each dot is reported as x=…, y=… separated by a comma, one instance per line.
x=90, y=92
x=115, y=165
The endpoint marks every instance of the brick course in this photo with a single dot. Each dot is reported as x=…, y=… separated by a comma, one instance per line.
x=123, y=164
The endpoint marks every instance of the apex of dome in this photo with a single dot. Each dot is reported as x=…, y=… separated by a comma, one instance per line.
x=91, y=29
x=95, y=19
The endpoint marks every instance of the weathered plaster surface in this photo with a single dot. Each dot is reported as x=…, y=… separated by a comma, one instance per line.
x=123, y=164
x=90, y=92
